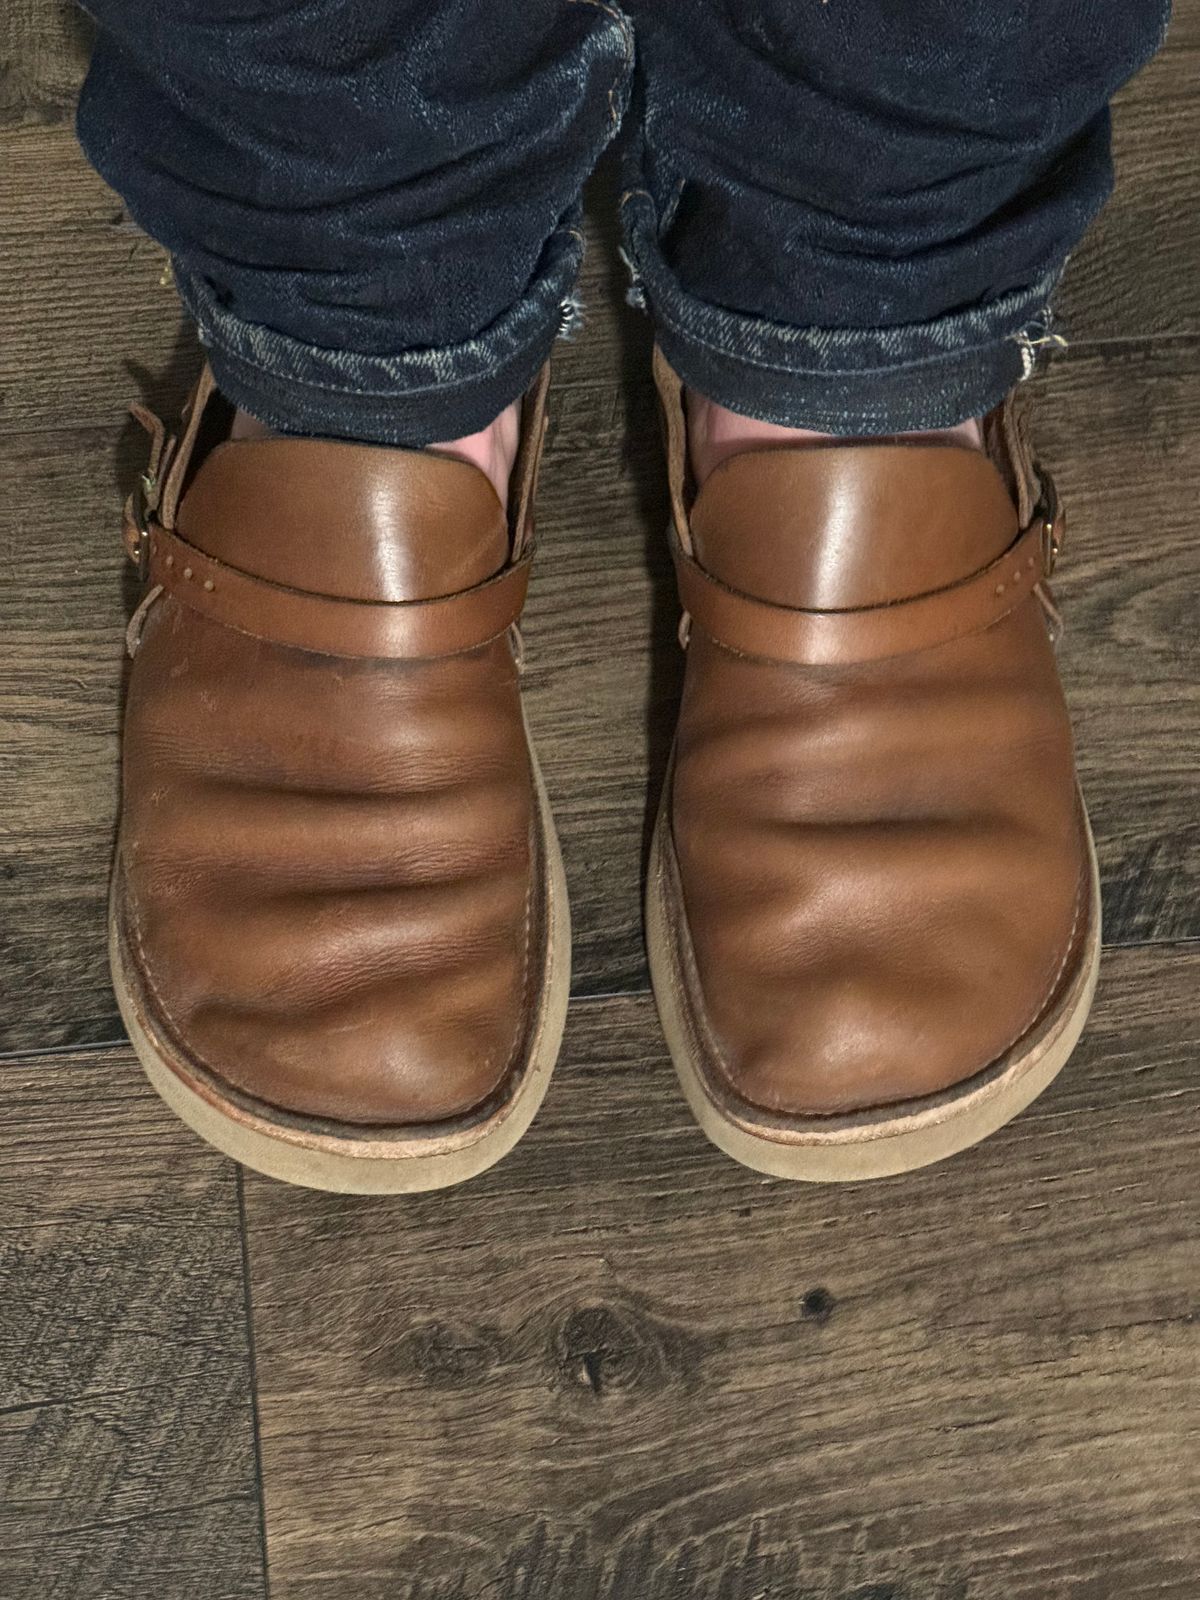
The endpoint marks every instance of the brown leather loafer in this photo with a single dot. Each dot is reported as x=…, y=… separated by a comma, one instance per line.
x=339, y=928
x=873, y=912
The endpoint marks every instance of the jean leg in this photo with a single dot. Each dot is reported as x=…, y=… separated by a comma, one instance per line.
x=852, y=215
x=372, y=205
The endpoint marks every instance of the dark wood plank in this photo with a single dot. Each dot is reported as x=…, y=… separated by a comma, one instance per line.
x=88, y=321
x=60, y=678
x=1120, y=427
x=127, y=1465
x=1135, y=274
x=621, y=1365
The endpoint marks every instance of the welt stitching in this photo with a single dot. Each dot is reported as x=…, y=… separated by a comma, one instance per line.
x=526, y=963
x=160, y=999
x=1060, y=968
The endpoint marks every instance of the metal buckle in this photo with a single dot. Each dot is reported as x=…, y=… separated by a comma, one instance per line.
x=1053, y=525
x=142, y=499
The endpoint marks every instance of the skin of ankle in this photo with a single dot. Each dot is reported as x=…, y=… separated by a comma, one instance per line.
x=493, y=449
x=716, y=433
x=247, y=427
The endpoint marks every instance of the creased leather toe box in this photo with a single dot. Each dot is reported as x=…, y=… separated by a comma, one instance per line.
x=884, y=870
x=329, y=871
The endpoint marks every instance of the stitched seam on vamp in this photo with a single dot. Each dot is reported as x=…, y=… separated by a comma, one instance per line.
x=167, y=1012
x=694, y=1008
x=1060, y=968
x=526, y=965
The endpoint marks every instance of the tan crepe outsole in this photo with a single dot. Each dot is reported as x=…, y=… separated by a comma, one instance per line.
x=872, y=1144
x=363, y=1161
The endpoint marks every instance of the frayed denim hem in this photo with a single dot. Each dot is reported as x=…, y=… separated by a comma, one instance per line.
x=846, y=381
x=412, y=398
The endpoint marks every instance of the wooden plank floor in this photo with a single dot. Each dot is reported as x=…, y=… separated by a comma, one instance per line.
x=974, y=1381
x=618, y=1367
x=127, y=1450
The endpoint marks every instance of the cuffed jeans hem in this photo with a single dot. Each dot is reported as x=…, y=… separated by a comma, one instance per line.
x=412, y=398
x=845, y=381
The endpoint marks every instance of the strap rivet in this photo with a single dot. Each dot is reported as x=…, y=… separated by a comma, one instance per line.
x=170, y=561
x=209, y=585
x=999, y=588
x=187, y=572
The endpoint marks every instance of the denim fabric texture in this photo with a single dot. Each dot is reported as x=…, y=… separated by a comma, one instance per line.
x=847, y=215
x=372, y=205
x=852, y=215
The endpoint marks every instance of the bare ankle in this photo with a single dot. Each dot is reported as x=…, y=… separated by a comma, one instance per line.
x=715, y=433
x=493, y=449
x=246, y=427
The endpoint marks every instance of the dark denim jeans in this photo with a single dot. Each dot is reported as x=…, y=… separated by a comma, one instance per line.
x=849, y=215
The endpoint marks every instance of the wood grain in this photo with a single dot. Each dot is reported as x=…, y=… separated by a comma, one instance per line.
x=88, y=322
x=621, y=1365
x=126, y=1436
x=45, y=47
x=1134, y=275
x=1120, y=427
x=62, y=608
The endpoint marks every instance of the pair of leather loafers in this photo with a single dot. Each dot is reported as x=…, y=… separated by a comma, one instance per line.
x=340, y=936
